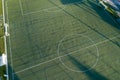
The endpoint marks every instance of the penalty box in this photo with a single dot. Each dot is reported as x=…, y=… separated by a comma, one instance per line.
x=30, y=6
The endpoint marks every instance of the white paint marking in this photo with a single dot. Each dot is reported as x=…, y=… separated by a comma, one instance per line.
x=20, y=3
x=88, y=38
x=9, y=40
x=5, y=41
x=65, y=55
x=45, y=9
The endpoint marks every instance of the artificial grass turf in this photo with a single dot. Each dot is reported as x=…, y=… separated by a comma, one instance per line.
x=36, y=36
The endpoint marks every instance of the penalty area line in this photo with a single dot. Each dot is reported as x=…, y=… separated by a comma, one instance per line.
x=45, y=10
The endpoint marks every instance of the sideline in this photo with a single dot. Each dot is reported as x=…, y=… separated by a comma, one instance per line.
x=20, y=3
x=5, y=41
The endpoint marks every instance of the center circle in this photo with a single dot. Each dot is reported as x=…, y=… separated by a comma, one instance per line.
x=78, y=53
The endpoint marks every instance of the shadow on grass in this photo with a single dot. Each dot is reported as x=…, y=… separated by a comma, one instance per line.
x=87, y=25
x=104, y=14
x=92, y=74
x=70, y=1
x=11, y=75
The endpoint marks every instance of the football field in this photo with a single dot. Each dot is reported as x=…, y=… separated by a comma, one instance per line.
x=61, y=40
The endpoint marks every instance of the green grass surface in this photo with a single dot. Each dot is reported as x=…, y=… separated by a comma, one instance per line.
x=1, y=46
x=1, y=40
x=2, y=68
x=42, y=31
x=2, y=72
x=1, y=31
x=0, y=7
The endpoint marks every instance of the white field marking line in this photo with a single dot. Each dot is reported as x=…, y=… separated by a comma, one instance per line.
x=6, y=4
x=58, y=10
x=21, y=7
x=41, y=10
x=65, y=55
x=66, y=66
x=9, y=41
x=11, y=56
x=5, y=41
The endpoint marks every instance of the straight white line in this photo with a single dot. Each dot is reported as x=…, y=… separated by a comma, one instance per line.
x=9, y=40
x=65, y=55
x=33, y=12
x=41, y=10
x=5, y=41
x=20, y=3
x=11, y=57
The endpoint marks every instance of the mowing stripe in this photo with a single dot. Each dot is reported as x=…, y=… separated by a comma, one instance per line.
x=67, y=54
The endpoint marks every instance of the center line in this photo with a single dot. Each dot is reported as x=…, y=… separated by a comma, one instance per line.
x=65, y=55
